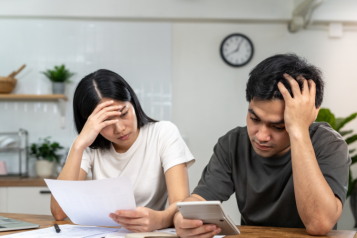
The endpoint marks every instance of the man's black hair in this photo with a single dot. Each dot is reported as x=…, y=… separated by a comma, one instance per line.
x=92, y=89
x=263, y=79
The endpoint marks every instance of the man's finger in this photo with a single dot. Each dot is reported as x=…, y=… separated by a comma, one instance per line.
x=204, y=231
x=312, y=88
x=284, y=91
x=305, y=85
x=187, y=224
x=209, y=234
x=294, y=85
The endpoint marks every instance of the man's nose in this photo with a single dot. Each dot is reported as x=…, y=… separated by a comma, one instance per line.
x=263, y=134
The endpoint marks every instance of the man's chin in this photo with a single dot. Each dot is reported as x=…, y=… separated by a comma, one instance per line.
x=265, y=154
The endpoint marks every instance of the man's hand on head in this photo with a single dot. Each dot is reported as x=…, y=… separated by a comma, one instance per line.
x=300, y=110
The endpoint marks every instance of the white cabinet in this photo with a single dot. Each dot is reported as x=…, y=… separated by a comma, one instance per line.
x=25, y=200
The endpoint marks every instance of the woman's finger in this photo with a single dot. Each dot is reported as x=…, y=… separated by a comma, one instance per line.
x=101, y=106
x=107, y=109
x=131, y=214
x=131, y=221
x=106, y=115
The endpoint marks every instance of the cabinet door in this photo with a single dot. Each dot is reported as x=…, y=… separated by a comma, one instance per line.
x=3, y=199
x=29, y=200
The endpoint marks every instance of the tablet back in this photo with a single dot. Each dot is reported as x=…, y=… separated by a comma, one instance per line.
x=210, y=213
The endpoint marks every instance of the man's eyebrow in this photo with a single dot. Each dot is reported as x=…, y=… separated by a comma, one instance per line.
x=271, y=122
x=252, y=111
x=277, y=122
x=121, y=110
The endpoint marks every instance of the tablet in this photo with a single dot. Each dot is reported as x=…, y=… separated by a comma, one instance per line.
x=210, y=212
x=7, y=224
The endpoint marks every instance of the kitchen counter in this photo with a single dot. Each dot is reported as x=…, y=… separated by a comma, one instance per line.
x=18, y=181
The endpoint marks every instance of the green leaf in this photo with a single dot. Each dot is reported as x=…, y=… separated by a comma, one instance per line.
x=354, y=159
x=343, y=133
x=351, y=139
x=59, y=74
x=340, y=122
x=351, y=151
x=326, y=116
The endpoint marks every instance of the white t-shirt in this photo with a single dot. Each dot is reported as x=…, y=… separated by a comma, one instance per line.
x=157, y=148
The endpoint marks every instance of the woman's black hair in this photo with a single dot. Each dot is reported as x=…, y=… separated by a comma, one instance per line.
x=264, y=78
x=92, y=89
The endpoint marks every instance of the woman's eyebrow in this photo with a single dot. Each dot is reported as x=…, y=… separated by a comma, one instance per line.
x=121, y=110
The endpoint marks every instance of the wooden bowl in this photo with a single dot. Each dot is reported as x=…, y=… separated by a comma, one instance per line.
x=7, y=84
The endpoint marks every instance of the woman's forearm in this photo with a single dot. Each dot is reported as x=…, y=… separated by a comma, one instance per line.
x=167, y=216
x=70, y=171
x=72, y=166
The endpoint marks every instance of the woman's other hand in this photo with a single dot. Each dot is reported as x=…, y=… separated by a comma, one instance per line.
x=142, y=220
x=96, y=122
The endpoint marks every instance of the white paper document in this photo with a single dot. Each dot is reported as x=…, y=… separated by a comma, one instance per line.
x=68, y=231
x=90, y=202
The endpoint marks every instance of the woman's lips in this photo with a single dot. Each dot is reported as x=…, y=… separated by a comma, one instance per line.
x=124, y=137
x=262, y=147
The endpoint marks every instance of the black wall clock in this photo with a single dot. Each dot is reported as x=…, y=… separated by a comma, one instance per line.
x=236, y=50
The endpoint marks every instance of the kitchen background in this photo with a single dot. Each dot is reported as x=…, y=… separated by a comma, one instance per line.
x=168, y=50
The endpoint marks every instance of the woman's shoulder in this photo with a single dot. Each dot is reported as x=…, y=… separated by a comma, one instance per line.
x=161, y=126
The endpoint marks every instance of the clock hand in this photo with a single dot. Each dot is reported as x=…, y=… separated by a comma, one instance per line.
x=237, y=48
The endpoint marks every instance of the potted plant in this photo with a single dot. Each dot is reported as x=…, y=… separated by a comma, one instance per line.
x=45, y=153
x=337, y=124
x=58, y=76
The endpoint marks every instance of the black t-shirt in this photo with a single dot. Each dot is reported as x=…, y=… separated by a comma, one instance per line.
x=264, y=186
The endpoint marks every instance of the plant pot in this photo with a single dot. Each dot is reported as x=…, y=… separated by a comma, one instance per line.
x=58, y=88
x=44, y=168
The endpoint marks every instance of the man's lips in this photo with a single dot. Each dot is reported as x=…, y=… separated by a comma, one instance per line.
x=262, y=147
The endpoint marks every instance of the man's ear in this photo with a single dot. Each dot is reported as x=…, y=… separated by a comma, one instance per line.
x=317, y=112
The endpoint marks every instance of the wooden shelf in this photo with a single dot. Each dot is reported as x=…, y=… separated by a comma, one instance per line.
x=59, y=98
x=33, y=97
x=17, y=181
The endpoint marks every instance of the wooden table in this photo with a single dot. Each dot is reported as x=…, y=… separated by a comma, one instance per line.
x=246, y=231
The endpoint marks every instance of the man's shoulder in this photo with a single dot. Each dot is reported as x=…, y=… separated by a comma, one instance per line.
x=323, y=131
x=235, y=136
x=238, y=131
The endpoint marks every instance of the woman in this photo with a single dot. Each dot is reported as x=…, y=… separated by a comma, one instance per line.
x=117, y=138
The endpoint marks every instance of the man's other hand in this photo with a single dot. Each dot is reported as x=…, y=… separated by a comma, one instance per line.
x=194, y=228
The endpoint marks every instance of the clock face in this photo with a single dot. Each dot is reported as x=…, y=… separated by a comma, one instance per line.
x=237, y=50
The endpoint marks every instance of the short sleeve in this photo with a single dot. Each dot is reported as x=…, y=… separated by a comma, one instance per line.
x=333, y=157
x=173, y=149
x=216, y=182
x=87, y=160
x=334, y=162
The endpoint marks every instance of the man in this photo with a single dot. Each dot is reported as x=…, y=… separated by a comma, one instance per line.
x=285, y=170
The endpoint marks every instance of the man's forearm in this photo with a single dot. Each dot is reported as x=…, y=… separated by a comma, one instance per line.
x=317, y=205
x=169, y=213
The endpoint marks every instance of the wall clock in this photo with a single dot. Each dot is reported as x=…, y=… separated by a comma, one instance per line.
x=236, y=50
